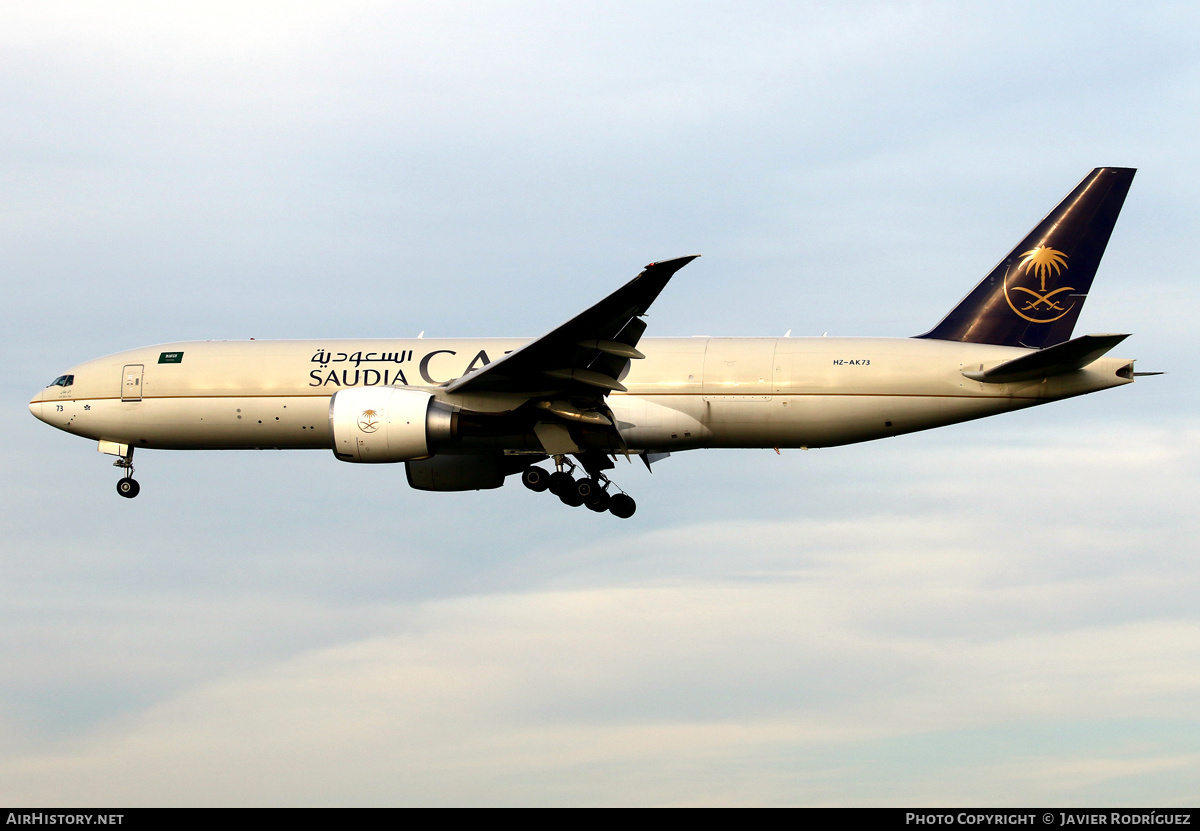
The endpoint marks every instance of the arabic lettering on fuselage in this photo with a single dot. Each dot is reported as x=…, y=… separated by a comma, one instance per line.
x=325, y=358
x=370, y=376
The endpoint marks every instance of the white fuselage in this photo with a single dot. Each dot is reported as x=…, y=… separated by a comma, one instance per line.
x=686, y=393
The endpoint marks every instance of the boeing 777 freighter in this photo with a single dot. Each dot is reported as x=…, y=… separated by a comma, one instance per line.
x=466, y=414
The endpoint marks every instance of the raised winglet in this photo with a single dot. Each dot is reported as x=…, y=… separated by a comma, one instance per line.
x=596, y=344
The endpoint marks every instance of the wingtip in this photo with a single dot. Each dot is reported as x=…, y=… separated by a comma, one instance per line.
x=680, y=261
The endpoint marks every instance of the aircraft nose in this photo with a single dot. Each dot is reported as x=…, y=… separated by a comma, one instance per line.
x=35, y=407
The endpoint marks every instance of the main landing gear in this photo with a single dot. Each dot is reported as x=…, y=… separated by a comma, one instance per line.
x=589, y=491
x=127, y=486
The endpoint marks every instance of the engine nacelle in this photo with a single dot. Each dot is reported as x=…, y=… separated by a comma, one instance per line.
x=388, y=424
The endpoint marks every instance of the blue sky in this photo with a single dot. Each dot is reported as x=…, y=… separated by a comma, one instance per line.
x=1002, y=612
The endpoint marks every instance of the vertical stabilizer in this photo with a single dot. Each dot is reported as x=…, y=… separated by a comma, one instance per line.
x=1034, y=295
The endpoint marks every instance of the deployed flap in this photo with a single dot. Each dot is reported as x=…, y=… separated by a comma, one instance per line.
x=586, y=354
x=555, y=438
x=1053, y=360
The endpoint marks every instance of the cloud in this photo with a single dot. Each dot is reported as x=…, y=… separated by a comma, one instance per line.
x=621, y=696
x=721, y=662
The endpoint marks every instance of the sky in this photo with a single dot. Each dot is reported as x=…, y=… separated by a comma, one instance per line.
x=999, y=613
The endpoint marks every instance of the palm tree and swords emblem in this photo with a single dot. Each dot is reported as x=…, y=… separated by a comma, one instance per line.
x=368, y=422
x=1040, y=263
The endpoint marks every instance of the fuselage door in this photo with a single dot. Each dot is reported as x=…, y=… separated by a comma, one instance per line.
x=131, y=382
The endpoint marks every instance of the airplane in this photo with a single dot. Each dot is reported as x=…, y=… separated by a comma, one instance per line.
x=468, y=414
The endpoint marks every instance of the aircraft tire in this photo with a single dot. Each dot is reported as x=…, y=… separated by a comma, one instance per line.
x=536, y=479
x=128, y=487
x=571, y=497
x=598, y=501
x=622, y=506
x=560, y=483
x=586, y=488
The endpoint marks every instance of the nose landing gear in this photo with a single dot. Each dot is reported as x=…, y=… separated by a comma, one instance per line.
x=127, y=486
x=590, y=491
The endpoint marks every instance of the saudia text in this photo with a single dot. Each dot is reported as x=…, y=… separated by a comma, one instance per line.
x=370, y=376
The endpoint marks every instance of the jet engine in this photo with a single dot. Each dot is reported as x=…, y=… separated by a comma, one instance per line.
x=388, y=424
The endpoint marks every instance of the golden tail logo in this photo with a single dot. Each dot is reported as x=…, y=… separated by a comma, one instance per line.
x=1039, y=305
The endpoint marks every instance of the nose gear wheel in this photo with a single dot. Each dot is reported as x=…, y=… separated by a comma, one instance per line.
x=127, y=486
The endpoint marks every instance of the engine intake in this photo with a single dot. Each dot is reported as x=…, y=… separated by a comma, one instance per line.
x=388, y=424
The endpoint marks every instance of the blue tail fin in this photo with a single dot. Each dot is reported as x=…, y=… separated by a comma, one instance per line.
x=1034, y=295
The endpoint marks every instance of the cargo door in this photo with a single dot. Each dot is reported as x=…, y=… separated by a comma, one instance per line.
x=131, y=382
x=737, y=390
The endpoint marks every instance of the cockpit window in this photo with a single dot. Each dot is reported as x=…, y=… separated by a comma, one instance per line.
x=63, y=381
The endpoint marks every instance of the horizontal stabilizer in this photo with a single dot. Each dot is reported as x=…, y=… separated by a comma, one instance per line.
x=1053, y=360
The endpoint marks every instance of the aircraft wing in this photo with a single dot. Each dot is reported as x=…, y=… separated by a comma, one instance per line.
x=584, y=357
